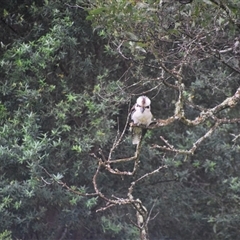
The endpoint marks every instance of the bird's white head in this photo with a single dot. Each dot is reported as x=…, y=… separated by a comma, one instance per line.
x=143, y=103
x=141, y=112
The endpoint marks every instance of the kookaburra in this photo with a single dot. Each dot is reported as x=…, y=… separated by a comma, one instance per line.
x=141, y=115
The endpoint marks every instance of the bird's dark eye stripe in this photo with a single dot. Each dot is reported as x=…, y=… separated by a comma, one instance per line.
x=143, y=107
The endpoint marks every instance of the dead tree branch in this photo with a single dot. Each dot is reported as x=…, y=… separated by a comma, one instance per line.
x=205, y=114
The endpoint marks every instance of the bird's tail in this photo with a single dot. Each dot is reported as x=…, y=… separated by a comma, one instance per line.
x=136, y=135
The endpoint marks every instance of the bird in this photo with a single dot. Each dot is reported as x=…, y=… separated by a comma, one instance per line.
x=140, y=115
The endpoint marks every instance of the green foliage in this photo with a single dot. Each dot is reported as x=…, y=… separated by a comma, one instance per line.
x=6, y=235
x=113, y=229
x=109, y=226
x=54, y=110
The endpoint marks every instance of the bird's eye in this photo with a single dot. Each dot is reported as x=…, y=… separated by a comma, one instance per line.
x=147, y=107
x=138, y=105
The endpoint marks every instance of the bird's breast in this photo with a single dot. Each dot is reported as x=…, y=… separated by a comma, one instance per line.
x=142, y=118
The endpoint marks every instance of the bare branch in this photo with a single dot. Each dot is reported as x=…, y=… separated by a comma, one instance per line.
x=235, y=137
x=191, y=151
x=205, y=114
x=119, y=139
x=119, y=50
x=170, y=148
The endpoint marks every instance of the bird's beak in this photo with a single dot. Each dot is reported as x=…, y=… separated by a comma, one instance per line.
x=142, y=109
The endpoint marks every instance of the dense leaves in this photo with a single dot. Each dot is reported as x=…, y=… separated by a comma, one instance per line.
x=70, y=71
